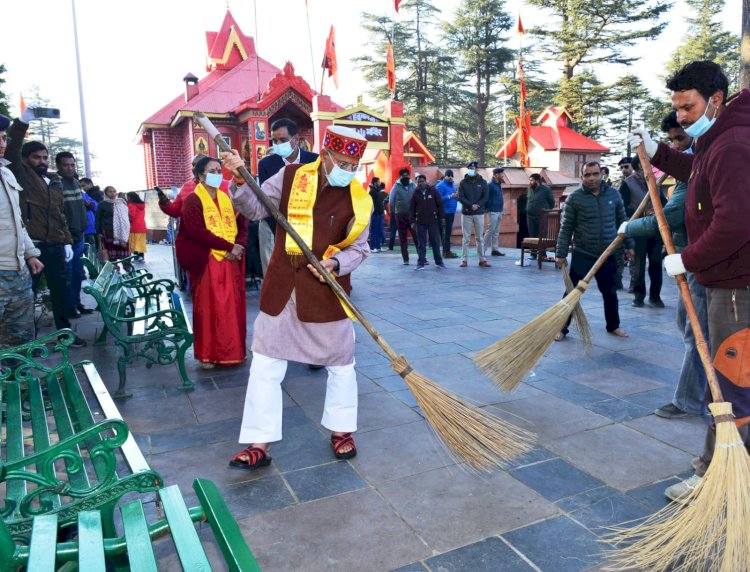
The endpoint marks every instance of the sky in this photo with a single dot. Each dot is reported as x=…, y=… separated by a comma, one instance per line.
x=135, y=53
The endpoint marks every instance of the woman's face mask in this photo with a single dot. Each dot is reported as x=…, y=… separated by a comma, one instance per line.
x=213, y=180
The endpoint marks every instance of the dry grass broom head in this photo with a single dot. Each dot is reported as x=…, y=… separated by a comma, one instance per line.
x=711, y=531
x=469, y=433
x=579, y=316
x=508, y=361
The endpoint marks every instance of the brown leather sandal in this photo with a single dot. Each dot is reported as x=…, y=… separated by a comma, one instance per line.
x=340, y=441
x=256, y=458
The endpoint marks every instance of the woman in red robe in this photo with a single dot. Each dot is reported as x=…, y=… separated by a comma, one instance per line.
x=209, y=247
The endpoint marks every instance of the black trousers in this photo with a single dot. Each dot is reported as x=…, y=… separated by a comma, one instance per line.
x=56, y=273
x=447, y=230
x=650, y=248
x=605, y=281
x=434, y=233
x=532, y=222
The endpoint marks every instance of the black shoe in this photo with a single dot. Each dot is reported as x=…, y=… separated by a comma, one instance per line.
x=671, y=411
x=78, y=343
x=75, y=314
x=637, y=303
x=631, y=290
x=655, y=302
x=83, y=310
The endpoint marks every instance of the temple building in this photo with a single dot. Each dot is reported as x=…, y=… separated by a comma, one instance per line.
x=554, y=145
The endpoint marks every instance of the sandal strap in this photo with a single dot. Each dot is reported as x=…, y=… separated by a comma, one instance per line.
x=254, y=455
x=340, y=441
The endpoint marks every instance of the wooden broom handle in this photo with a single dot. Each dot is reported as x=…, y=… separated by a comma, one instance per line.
x=281, y=219
x=666, y=236
x=616, y=242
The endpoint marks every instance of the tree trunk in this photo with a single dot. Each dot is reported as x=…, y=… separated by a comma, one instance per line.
x=745, y=46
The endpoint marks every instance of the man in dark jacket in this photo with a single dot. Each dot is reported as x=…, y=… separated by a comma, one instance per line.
x=473, y=195
x=538, y=196
x=286, y=151
x=717, y=210
x=43, y=214
x=632, y=190
x=426, y=212
x=449, y=196
x=491, y=238
x=376, y=218
x=398, y=204
x=591, y=217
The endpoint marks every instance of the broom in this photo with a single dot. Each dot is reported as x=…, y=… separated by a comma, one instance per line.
x=711, y=529
x=579, y=316
x=507, y=361
x=468, y=432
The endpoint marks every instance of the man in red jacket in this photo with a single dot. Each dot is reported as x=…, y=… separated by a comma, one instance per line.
x=717, y=210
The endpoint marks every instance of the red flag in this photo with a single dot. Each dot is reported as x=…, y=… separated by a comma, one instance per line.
x=397, y=3
x=390, y=66
x=520, y=29
x=23, y=104
x=523, y=122
x=329, y=58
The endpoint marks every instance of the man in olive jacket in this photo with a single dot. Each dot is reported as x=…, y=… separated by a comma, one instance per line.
x=591, y=215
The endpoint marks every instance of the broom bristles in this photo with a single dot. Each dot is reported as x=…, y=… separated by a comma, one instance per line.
x=579, y=316
x=507, y=361
x=468, y=433
x=711, y=530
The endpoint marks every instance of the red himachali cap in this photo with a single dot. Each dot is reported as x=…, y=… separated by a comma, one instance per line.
x=344, y=140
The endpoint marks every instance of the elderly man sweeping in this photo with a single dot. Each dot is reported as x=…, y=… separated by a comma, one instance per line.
x=300, y=318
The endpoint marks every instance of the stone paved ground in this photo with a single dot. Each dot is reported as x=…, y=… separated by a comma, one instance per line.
x=403, y=504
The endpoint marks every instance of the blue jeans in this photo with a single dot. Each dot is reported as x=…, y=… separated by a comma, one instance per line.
x=75, y=274
x=691, y=387
x=376, y=231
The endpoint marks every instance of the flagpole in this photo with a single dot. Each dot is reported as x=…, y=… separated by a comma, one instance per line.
x=257, y=61
x=393, y=37
x=84, y=131
x=309, y=38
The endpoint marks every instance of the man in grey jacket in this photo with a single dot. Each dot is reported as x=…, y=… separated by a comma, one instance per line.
x=592, y=215
x=18, y=257
x=473, y=195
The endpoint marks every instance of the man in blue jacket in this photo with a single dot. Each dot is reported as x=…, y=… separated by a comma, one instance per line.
x=286, y=151
x=449, y=195
x=494, y=213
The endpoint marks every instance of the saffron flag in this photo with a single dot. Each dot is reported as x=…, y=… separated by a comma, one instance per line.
x=520, y=28
x=397, y=3
x=23, y=104
x=329, y=58
x=523, y=122
x=390, y=66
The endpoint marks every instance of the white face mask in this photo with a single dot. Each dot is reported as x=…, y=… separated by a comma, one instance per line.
x=471, y=172
x=213, y=180
x=703, y=124
x=337, y=177
x=283, y=150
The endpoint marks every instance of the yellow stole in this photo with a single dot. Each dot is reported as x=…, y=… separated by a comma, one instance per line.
x=300, y=213
x=219, y=221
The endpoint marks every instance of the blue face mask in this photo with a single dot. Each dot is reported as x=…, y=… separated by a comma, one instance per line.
x=283, y=150
x=213, y=180
x=702, y=125
x=471, y=172
x=337, y=177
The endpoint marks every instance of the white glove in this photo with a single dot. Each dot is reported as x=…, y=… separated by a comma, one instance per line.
x=28, y=115
x=622, y=228
x=68, y=253
x=673, y=264
x=640, y=134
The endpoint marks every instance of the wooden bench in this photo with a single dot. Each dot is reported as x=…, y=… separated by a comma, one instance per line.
x=146, y=318
x=58, y=455
x=134, y=551
x=549, y=229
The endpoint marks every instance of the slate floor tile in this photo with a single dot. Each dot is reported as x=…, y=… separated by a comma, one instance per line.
x=618, y=410
x=416, y=567
x=555, y=479
x=575, y=548
x=576, y=393
x=537, y=455
x=194, y=435
x=603, y=508
x=257, y=496
x=653, y=495
x=219, y=404
x=610, y=380
x=687, y=434
x=303, y=445
x=324, y=480
x=490, y=555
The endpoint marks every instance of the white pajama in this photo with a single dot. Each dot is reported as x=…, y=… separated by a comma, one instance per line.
x=261, y=420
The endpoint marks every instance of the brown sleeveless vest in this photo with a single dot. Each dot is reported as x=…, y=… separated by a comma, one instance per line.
x=316, y=302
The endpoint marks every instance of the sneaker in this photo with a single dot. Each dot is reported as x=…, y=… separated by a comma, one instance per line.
x=671, y=411
x=419, y=267
x=441, y=265
x=78, y=343
x=463, y=264
x=497, y=253
x=406, y=263
x=680, y=491
x=519, y=262
x=484, y=264
x=207, y=365
x=637, y=303
x=655, y=302
x=374, y=250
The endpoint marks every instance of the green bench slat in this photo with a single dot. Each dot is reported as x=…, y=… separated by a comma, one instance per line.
x=39, y=427
x=42, y=550
x=140, y=552
x=237, y=554
x=14, y=436
x=90, y=542
x=183, y=531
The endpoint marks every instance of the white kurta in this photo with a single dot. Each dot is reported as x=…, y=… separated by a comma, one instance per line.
x=285, y=336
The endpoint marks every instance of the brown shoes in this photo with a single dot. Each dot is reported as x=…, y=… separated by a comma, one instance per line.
x=463, y=264
x=484, y=264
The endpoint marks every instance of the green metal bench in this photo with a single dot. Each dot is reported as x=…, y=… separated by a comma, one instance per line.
x=133, y=551
x=58, y=454
x=146, y=318
x=90, y=261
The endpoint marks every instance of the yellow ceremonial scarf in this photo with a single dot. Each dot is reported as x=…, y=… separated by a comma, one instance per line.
x=219, y=221
x=300, y=213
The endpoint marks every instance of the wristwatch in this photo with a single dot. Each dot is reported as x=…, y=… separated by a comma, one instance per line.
x=338, y=266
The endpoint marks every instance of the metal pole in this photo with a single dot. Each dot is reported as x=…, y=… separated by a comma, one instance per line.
x=505, y=137
x=84, y=132
x=309, y=37
x=257, y=62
